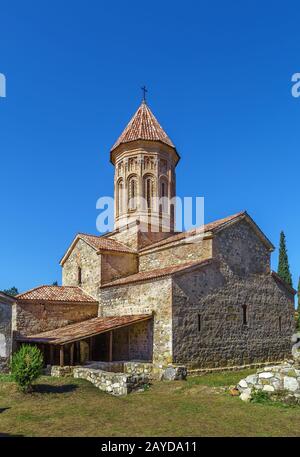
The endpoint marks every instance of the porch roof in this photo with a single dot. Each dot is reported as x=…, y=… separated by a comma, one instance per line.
x=82, y=330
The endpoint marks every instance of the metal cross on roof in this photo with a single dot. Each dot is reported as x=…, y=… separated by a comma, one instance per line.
x=144, y=92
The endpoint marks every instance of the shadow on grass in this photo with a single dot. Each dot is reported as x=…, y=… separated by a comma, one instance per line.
x=8, y=435
x=3, y=409
x=50, y=389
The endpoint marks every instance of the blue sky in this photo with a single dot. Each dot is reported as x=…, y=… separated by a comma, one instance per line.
x=219, y=79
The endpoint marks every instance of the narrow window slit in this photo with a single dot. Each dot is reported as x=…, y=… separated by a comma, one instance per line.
x=79, y=276
x=244, y=314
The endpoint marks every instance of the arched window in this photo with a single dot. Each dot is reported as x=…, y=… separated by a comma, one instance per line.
x=149, y=190
x=132, y=193
x=120, y=197
x=164, y=195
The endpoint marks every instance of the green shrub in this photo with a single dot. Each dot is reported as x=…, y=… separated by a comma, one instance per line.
x=26, y=366
x=260, y=396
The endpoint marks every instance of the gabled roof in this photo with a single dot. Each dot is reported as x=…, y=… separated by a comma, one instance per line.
x=98, y=243
x=56, y=294
x=85, y=329
x=157, y=273
x=143, y=126
x=212, y=227
x=6, y=298
x=284, y=283
x=106, y=244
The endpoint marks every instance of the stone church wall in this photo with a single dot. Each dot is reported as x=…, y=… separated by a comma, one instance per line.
x=144, y=298
x=133, y=342
x=85, y=257
x=138, y=236
x=241, y=251
x=128, y=236
x=208, y=319
x=176, y=255
x=31, y=318
x=115, y=266
x=141, y=341
x=5, y=333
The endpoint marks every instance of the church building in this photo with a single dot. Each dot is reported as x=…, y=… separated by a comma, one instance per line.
x=146, y=292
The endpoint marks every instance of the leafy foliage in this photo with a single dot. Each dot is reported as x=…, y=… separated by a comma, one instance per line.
x=26, y=366
x=283, y=263
x=259, y=396
x=12, y=291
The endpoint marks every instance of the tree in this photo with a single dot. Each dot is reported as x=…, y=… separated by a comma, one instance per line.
x=26, y=366
x=12, y=291
x=283, y=263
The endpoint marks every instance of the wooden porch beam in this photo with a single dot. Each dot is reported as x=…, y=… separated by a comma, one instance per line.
x=72, y=354
x=61, y=356
x=110, y=353
x=128, y=342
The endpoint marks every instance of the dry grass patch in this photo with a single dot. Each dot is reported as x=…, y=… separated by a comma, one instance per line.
x=198, y=407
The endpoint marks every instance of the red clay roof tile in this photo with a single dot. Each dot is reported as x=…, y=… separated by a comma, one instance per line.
x=143, y=126
x=210, y=227
x=158, y=273
x=85, y=329
x=57, y=293
x=107, y=244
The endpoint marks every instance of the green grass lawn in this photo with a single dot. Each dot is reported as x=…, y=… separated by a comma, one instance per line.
x=200, y=406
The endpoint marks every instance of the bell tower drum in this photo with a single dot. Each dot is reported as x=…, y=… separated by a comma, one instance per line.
x=144, y=158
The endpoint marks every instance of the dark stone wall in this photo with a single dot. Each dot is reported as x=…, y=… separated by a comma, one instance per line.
x=240, y=251
x=141, y=341
x=5, y=334
x=208, y=327
x=120, y=344
x=222, y=339
x=32, y=318
x=147, y=297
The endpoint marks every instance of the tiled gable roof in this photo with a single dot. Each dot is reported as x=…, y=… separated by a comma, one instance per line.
x=98, y=243
x=6, y=298
x=143, y=126
x=206, y=228
x=81, y=330
x=157, y=273
x=283, y=282
x=56, y=293
x=107, y=244
x=210, y=227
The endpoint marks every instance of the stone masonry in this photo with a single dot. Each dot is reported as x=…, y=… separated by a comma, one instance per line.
x=279, y=382
x=208, y=306
x=210, y=301
x=144, y=298
x=32, y=318
x=119, y=378
x=6, y=305
x=83, y=256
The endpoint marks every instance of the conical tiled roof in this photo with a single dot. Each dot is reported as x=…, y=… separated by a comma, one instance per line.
x=143, y=126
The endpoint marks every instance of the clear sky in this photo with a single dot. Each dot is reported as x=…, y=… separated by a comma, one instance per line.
x=219, y=79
